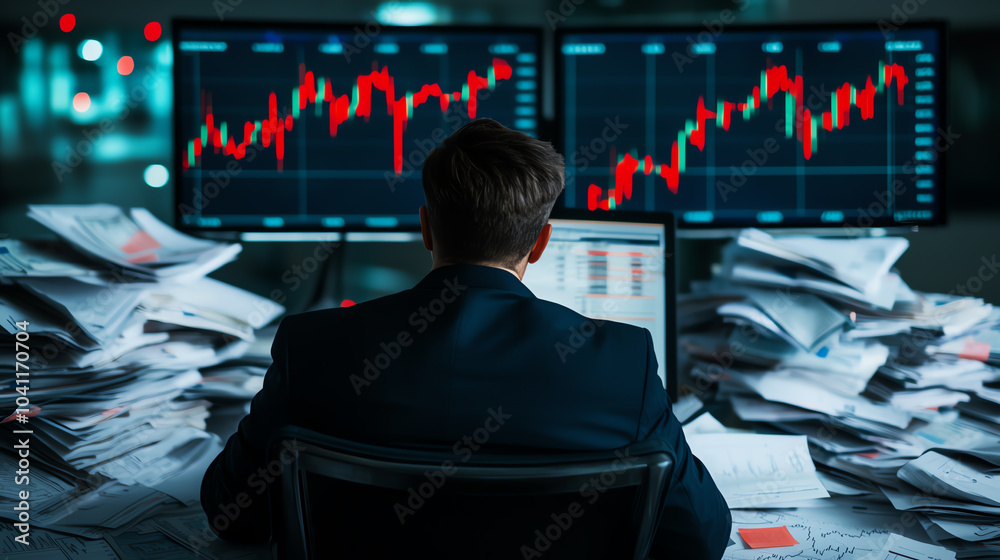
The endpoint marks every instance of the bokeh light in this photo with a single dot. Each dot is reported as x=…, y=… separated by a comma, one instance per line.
x=91, y=50
x=67, y=22
x=407, y=13
x=81, y=102
x=125, y=65
x=152, y=31
x=156, y=175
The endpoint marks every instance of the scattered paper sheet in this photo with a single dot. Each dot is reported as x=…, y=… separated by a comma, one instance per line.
x=806, y=318
x=753, y=470
x=794, y=387
x=899, y=547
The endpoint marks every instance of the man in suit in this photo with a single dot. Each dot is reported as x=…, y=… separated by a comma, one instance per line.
x=469, y=358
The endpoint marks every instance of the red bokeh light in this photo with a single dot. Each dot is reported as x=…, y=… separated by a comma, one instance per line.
x=125, y=65
x=152, y=31
x=67, y=22
x=81, y=102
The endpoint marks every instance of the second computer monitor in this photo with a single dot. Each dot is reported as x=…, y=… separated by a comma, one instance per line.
x=776, y=126
x=615, y=267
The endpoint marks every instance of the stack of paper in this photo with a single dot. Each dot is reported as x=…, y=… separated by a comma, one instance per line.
x=855, y=270
x=138, y=243
x=821, y=338
x=959, y=496
x=120, y=322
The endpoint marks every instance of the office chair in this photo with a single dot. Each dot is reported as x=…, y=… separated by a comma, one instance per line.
x=343, y=499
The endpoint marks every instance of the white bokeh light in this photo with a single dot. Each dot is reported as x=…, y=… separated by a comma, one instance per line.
x=91, y=50
x=156, y=175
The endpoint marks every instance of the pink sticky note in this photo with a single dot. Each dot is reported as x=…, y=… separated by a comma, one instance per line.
x=768, y=537
x=973, y=350
x=140, y=241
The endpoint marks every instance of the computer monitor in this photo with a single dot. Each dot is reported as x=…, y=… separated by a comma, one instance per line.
x=796, y=126
x=617, y=267
x=325, y=128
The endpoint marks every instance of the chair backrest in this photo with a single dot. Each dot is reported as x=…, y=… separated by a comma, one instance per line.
x=357, y=499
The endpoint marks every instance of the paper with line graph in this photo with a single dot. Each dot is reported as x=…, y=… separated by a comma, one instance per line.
x=754, y=471
x=839, y=533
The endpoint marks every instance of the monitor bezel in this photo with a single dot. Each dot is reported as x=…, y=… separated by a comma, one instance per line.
x=668, y=221
x=370, y=233
x=695, y=230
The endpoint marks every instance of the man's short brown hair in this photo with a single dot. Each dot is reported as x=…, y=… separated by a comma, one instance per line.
x=489, y=192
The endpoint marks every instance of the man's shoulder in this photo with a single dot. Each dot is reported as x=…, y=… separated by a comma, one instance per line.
x=562, y=314
x=529, y=313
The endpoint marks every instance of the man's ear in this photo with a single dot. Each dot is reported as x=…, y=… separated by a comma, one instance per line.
x=425, y=229
x=540, y=244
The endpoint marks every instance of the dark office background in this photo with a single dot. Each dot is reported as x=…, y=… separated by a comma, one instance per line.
x=37, y=123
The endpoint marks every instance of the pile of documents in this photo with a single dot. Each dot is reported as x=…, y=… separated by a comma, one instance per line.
x=957, y=493
x=821, y=338
x=118, y=321
x=137, y=243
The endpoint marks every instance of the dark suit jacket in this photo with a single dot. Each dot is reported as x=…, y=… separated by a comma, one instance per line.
x=469, y=347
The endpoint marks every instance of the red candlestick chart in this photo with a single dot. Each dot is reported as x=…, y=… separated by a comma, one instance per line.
x=339, y=108
x=800, y=124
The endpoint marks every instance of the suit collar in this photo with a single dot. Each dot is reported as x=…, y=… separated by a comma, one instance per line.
x=474, y=275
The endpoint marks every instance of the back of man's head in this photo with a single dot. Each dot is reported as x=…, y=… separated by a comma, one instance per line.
x=489, y=192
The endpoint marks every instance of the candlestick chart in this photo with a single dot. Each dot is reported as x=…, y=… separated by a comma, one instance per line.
x=752, y=128
x=340, y=108
x=327, y=129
